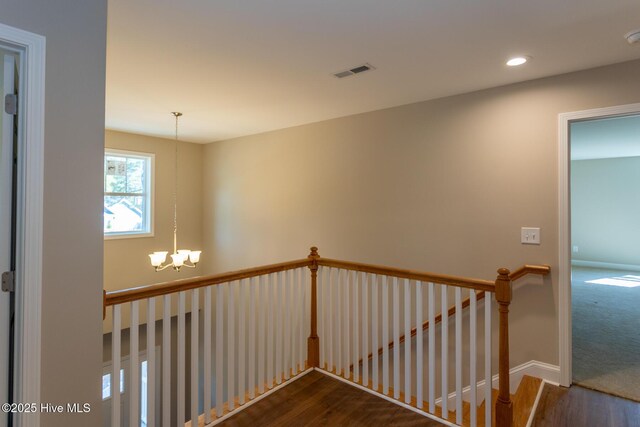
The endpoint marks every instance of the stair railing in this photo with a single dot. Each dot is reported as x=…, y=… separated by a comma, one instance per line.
x=249, y=328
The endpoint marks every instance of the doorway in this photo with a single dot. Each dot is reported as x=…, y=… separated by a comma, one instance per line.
x=605, y=255
x=24, y=53
x=565, y=254
x=9, y=77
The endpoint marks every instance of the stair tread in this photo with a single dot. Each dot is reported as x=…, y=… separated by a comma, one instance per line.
x=524, y=399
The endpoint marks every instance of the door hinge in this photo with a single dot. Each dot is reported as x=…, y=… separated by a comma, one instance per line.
x=11, y=104
x=9, y=281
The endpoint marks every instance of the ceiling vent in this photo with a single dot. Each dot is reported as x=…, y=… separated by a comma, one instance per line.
x=355, y=70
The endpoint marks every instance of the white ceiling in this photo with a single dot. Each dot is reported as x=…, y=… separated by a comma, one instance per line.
x=243, y=67
x=606, y=138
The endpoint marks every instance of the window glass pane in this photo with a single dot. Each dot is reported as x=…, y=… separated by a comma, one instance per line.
x=126, y=199
x=106, y=385
x=124, y=214
x=115, y=174
x=135, y=175
x=144, y=397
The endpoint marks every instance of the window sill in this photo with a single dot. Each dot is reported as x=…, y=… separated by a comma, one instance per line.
x=127, y=236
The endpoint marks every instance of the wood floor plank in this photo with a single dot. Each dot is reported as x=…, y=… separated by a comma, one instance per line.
x=580, y=407
x=318, y=400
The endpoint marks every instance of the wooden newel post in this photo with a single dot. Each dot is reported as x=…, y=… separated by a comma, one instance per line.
x=504, y=406
x=313, y=343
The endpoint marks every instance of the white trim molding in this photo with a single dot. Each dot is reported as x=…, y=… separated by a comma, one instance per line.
x=548, y=373
x=564, y=224
x=605, y=265
x=32, y=50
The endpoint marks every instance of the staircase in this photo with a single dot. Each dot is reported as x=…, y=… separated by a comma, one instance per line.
x=252, y=332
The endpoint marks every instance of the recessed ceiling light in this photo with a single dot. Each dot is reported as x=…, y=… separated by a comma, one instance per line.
x=518, y=60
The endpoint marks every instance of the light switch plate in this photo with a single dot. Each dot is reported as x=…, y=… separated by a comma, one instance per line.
x=530, y=235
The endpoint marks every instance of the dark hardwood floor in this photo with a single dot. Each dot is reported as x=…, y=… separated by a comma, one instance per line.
x=319, y=400
x=580, y=407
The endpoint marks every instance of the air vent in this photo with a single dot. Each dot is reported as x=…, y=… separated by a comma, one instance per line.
x=355, y=70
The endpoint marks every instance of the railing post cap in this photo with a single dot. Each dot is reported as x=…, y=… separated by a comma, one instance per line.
x=503, y=271
x=314, y=252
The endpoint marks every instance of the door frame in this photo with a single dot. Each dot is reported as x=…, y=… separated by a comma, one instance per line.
x=564, y=225
x=32, y=51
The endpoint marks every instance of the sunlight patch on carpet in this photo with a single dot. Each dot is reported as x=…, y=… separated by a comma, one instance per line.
x=623, y=281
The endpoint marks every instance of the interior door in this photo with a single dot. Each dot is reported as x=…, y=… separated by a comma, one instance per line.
x=7, y=79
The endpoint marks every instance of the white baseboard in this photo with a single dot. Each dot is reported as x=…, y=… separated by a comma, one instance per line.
x=545, y=371
x=607, y=265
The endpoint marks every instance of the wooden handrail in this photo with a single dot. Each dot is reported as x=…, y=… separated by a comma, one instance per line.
x=148, y=291
x=517, y=274
x=464, y=282
x=542, y=270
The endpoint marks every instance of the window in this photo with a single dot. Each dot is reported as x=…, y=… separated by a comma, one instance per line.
x=128, y=198
x=106, y=385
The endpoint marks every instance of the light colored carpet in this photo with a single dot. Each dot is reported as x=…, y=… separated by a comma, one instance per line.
x=606, y=331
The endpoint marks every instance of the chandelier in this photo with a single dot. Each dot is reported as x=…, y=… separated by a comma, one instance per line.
x=180, y=257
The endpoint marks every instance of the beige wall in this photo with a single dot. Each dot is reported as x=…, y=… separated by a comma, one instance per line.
x=605, y=201
x=126, y=261
x=443, y=185
x=72, y=252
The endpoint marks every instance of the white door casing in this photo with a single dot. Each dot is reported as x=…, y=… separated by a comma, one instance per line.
x=7, y=82
x=564, y=225
x=31, y=50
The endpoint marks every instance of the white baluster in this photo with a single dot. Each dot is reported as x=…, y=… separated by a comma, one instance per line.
x=322, y=313
x=346, y=324
x=166, y=361
x=279, y=306
x=231, y=346
x=374, y=331
x=407, y=342
x=115, y=365
x=242, y=298
x=419, y=333
x=396, y=339
x=356, y=335
x=301, y=316
x=134, y=368
x=207, y=355
x=364, y=280
x=293, y=324
x=286, y=356
x=487, y=360
x=181, y=357
x=151, y=362
x=220, y=348
x=339, y=324
x=432, y=348
x=472, y=350
x=271, y=306
x=444, y=310
x=330, y=310
x=458, y=293
x=195, y=340
x=252, y=336
x=385, y=336
x=262, y=295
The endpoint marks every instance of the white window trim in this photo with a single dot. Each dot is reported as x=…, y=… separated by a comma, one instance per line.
x=150, y=189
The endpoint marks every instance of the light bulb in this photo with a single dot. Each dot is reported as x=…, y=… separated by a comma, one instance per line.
x=519, y=60
x=185, y=253
x=194, y=256
x=178, y=260
x=156, y=259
